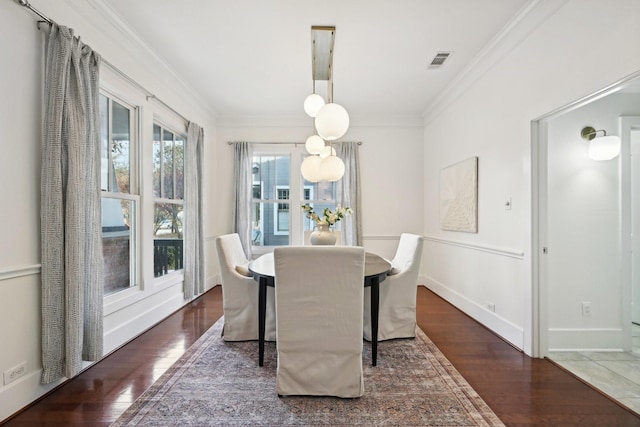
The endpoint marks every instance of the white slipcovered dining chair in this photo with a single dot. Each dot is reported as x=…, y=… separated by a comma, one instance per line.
x=397, y=309
x=319, y=291
x=240, y=294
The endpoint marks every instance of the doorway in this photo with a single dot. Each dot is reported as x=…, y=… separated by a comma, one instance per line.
x=587, y=267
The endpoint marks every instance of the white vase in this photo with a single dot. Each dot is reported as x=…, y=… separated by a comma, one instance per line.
x=323, y=236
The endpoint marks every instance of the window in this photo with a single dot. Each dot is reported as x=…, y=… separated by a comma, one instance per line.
x=270, y=211
x=120, y=197
x=168, y=193
x=278, y=194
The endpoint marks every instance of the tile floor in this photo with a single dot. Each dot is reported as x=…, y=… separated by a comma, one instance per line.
x=615, y=373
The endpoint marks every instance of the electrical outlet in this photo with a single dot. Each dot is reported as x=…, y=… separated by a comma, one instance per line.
x=15, y=373
x=586, y=308
x=491, y=306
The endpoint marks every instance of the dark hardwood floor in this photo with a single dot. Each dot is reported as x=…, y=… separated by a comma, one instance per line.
x=520, y=390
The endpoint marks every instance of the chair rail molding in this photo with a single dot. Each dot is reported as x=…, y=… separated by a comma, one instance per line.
x=512, y=253
x=374, y=237
x=16, y=272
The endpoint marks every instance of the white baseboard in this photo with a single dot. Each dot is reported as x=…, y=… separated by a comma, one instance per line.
x=213, y=281
x=586, y=339
x=502, y=327
x=25, y=389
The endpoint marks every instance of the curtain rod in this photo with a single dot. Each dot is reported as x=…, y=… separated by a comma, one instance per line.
x=149, y=95
x=276, y=142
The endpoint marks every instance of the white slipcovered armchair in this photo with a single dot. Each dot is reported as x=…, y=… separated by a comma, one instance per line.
x=397, y=310
x=240, y=294
x=319, y=291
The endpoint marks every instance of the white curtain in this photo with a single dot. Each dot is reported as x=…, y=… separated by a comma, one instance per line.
x=243, y=161
x=348, y=192
x=72, y=280
x=194, y=234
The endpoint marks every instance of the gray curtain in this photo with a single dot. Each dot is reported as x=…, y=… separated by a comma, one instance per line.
x=242, y=161
x=194, y=233
x=72, y=281
x=348, y=192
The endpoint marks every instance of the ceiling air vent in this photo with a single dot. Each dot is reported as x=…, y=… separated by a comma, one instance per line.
x=438, y=60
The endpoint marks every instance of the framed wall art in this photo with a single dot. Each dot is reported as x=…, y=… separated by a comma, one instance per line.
x=459, y=196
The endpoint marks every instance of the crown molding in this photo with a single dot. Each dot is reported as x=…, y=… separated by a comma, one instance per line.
x=530, y=16
x=137, y=43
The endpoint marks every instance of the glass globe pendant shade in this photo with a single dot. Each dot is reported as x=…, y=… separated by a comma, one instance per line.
x=314, y=144
x=332, y=121
x=310, y=168
x=327, y=151
x=604, y=147
x=312, y=104
x=332, y=168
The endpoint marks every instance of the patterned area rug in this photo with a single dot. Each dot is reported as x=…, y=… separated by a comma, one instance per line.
x=218, y=383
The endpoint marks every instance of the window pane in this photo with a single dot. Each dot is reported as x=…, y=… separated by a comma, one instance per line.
x=282, y=213
x=179, y=167
x=168, y=238
x=271, y=221
x=266, y=175
x=120, y=136
x=257, y=235
x=257, y=191
x=269, y=229
x=322, y=190
x=104, y=143
x=118, y=244
x=282, y=172
x=167, y=181
x=282, y=219
x=157, y=161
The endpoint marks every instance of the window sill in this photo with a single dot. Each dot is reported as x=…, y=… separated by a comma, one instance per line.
x=125, y=298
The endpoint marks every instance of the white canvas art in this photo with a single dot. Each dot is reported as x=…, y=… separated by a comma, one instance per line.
x=459, y=196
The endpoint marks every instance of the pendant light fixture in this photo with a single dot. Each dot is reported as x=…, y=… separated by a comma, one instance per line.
x=331, y=120
x=313, y=103
x=314, y=144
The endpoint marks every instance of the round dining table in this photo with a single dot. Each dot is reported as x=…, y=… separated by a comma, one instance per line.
x=375, y=271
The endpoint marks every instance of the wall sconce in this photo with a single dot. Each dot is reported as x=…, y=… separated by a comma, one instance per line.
x=601, y=147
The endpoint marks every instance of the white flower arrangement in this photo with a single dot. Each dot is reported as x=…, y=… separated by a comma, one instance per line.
x=328, y=217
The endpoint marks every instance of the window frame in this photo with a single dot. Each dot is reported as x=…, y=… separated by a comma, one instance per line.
x=297, y=221
x=162, y=199
x=134, y=196
x=117, y=304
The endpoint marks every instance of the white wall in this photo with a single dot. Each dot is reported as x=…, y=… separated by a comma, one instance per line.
x=584, y=261
x=21, y=86
x=548, y=60
x=391, y=172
